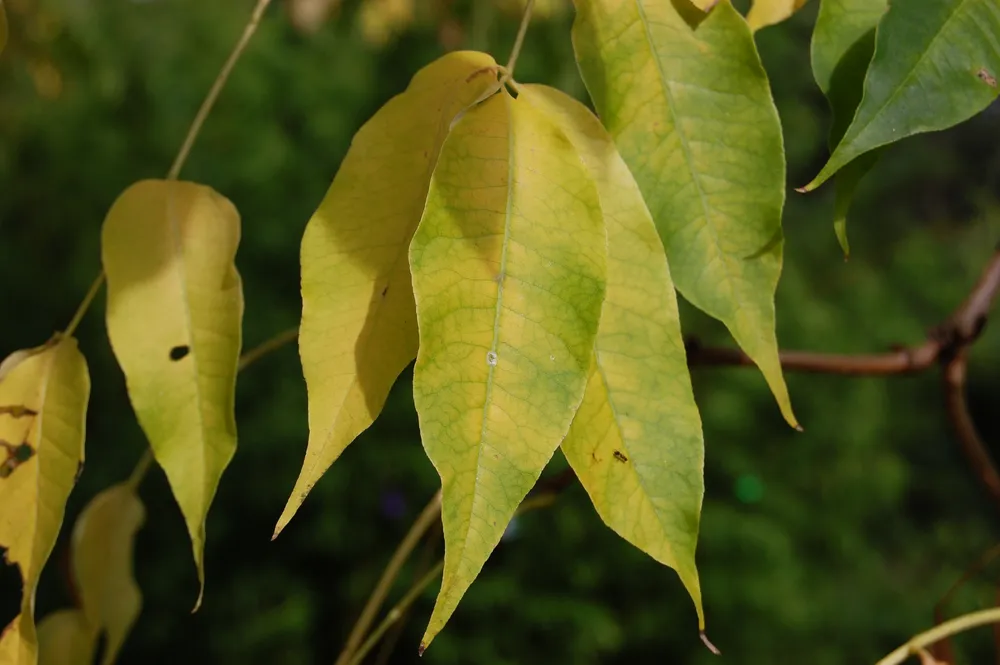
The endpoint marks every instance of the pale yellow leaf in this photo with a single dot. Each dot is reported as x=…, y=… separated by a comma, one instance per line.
x=636, y=442
x=508, y=270
x=769, y=12
x=359, y=327
x=65, y=638
x=43, y=406
x=102, y=552
x=175, y=306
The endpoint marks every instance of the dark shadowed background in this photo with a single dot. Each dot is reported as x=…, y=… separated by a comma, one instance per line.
x=824, y=547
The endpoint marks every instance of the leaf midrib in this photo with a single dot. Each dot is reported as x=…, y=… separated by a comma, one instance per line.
x=508, y=216
x=180, y=267
x=686, y=150
x=906, y=79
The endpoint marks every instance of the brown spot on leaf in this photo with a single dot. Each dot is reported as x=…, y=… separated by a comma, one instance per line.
x=18, y=411
x=179, y=352
x=620, y=456
x=987, y=78
x=16, y=456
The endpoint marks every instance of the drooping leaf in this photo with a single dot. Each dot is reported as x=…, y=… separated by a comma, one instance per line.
x=769, y=12
x=43, y=406
x=508, y=270
x=691, y=113
x=935, y=65
x=359, y=327
x=842, y=45
x=102, y=564
x=636, y=442
x=66, y=638
x=175, y=306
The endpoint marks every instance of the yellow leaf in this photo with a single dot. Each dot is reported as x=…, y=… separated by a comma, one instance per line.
x=359, y=327
x=65, y=638
x=508, y=270
x=175, y=305
x=43, y=406
x=768, y=12
x=636, y=442
x=102, y=564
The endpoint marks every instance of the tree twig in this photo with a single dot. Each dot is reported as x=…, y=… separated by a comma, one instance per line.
x=185, y=149
x=423, y=522
x=946, y=345
x=960, y=624
x=519, y=40
x=213, y=93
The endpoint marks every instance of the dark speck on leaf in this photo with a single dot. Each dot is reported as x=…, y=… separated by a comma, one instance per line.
x=179, y=352
x=385, y=291
x=620, y=456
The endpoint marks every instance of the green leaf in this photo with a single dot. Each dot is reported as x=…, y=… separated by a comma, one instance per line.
x=842, y=46
x=508, y=270
x=691, y=113
x=636, y=442
x=102, y=551
x=935, y=65
x=175, y=306
x=65, y=638
x=43, y=408
x=769, y=12
x=359, y=327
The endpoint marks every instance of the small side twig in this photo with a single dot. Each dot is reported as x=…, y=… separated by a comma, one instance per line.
x=946, y=345
x=920, y=642
x=427, y=517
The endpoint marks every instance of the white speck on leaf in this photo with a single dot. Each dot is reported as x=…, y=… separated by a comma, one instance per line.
x=552, y=358
x=491, y=359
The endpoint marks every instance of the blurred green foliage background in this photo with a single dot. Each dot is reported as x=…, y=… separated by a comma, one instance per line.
x=824, y=547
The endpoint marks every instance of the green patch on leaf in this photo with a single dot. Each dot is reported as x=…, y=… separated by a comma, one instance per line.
x=636, y=442
x=508, y=271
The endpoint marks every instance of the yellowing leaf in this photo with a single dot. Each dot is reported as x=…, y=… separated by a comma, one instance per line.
x=636, y=442
x=691, y=113
x=359, y=327
x=102, y=564
x=43, y=406
x=768, y=12
x=175, y=305
x=65, y=638
x=508, y=270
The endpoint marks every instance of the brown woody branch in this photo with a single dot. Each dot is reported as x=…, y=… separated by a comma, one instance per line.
x=946, y=345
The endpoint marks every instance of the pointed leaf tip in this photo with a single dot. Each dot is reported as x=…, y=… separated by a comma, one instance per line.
x=637, y=433
x=174, y=319
x=358, y=327
x=663, y=90
x=509, y=275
